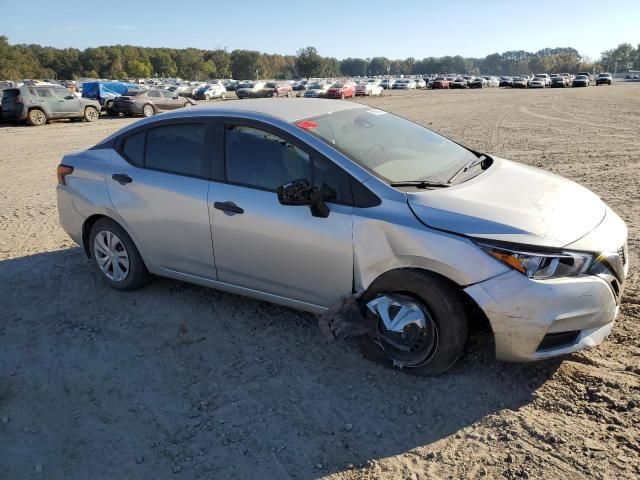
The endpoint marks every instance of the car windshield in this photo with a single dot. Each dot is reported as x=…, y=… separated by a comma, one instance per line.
x=604, y=75
x=337, y=85
x=271, y=85
x=581, y=77
x=391, y=147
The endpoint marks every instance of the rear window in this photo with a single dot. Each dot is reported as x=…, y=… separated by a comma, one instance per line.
x=44, y=92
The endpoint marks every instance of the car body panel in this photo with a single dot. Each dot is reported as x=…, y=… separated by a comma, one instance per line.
x=520, y=204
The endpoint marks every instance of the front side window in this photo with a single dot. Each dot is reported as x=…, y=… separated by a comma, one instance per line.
x=391, y=147
x=259, y=159
x=171, y=148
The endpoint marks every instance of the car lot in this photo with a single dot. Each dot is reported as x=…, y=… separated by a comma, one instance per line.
x=177, y=381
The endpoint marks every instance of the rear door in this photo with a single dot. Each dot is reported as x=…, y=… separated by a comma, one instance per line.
x=263, y=245
x=158, y=183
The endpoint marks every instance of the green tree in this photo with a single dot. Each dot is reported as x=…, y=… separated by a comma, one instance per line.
x=309, y=63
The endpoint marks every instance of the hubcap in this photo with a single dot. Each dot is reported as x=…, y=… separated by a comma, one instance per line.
x=148, y=111
x=405, y=329
x=111, y=256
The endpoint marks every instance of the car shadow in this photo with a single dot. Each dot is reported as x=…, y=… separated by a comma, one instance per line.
x=178, y=378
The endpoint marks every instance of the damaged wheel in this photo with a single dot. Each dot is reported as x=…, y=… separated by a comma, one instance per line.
x=420, y=322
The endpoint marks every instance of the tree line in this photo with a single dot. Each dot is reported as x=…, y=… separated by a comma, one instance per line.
x=126, y=61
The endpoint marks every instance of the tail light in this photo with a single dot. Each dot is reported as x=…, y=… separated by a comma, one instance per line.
x=19, y=99
x=62, y=172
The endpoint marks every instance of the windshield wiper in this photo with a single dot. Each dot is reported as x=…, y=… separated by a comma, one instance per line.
x=467, y=166
x=419, y=184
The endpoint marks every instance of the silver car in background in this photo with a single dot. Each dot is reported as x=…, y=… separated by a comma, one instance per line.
x=395, y=234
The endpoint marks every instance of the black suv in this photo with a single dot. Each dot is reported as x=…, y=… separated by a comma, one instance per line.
x=39, y=103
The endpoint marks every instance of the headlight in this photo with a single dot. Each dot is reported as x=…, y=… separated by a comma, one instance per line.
x=541, y=265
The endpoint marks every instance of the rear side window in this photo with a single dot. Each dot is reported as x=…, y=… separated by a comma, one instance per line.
x=176, y=149
x=133, y=148
x=44, y=92
x=154, y=94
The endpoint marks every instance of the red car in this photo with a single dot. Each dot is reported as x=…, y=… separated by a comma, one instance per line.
x=342, y=90
x=441, y=82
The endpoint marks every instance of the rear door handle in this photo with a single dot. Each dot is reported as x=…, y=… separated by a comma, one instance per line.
x=122, y=178
x=229, y=208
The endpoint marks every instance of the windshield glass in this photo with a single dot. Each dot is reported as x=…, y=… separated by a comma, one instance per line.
x=391, y=147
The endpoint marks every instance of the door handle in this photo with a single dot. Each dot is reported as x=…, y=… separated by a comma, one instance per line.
x=122, y=178
x=229, y=208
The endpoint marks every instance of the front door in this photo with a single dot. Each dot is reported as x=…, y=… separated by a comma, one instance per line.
x=263, y=245
x=69, y=104
x=158, y=185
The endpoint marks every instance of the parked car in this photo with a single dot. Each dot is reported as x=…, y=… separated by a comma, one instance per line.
x=519, y=82
x=459, y=83
x=505, y=82
x=587, y=74
x=544, y=77
x=106, y=92
x=580, y=81
x=317, y=90
x=148, y=102
x=491, y=81
x=211, y=90
x=249, y=89
x=352, y=212
x=342, y=90
x=230, y=85
x=404, y=84
x=478, y=82
x=604, y=79
x=441, y=82
x=37, y=104
x=421, y=83
x=300, y=86
x=369, y=88
x=560, y=81
x=277, y=89
x=387, y=83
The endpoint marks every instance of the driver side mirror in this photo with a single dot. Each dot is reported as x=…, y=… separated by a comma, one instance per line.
x=300, y=192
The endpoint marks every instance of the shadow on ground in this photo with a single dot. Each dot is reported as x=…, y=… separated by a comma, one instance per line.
x=179, y=381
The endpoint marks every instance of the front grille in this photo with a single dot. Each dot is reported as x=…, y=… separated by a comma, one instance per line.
x=558, y=339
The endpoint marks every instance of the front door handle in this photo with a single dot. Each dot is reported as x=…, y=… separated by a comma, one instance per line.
x=122, y=178
x=229, y=208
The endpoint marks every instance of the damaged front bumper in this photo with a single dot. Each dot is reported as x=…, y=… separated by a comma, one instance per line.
x=533, y=319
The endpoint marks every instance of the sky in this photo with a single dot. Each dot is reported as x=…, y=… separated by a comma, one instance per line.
x=362, y=28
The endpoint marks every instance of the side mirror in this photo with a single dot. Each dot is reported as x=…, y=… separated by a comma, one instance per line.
x=299, y=192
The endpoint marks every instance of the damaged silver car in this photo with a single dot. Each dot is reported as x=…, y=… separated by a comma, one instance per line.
x=393, y=233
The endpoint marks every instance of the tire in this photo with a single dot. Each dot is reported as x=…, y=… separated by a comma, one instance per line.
x=289, y=94
x=342, y=96
x=36, y=117
x=108, y=105
x=223, y=96
x=91, y=114
x=135, y=275
x=207, y=98
x=147, y=110
x=440, y=344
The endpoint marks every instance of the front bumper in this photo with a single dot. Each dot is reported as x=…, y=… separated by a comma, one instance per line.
x=522, y=312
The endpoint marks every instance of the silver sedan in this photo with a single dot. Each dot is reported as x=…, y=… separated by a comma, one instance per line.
x=394, y=234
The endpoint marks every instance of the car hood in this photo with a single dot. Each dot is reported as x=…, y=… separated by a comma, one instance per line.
x=511, y=202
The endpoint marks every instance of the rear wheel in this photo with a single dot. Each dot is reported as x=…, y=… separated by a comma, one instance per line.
x=207, y=97
x=147, y=110
x=223, y=95
x=36, y=117
x=421, y=325
x=91, y=114
x=116, y=256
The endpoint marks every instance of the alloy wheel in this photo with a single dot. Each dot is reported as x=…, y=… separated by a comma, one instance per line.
x=111, y=255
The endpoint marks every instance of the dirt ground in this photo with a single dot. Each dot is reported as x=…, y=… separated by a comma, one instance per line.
x=179, y=381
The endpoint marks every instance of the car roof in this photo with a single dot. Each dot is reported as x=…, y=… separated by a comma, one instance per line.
x=287, y=109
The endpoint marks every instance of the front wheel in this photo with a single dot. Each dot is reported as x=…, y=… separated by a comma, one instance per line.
x=116, y=256
x=420, y=322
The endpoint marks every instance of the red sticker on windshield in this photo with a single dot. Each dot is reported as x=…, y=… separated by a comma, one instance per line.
x=307, y=124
